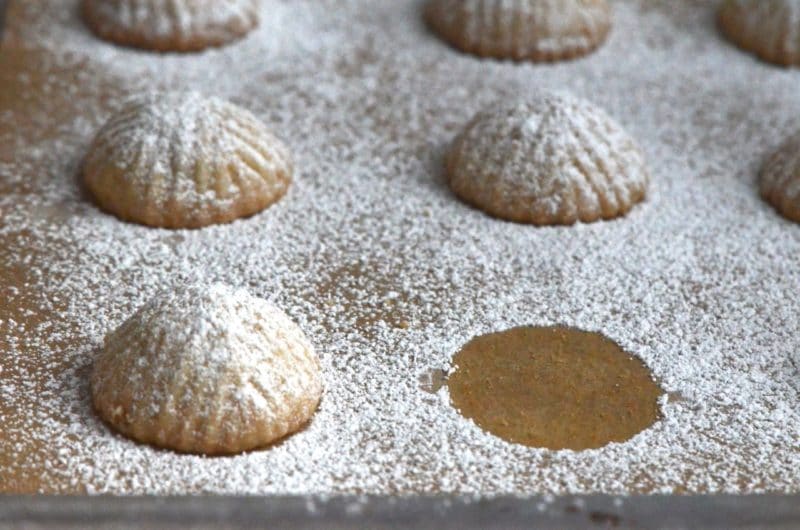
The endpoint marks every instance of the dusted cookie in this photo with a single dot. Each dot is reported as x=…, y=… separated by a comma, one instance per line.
x=768, y=28
x=181, y=160
x=207, y=370
x=780, y=179
x=536, y=30
x=551, y=160
x=171, y=25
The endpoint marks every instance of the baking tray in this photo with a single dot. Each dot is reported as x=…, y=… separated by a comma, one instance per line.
x=588, y=511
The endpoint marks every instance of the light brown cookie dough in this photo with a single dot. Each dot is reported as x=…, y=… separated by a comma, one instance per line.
x=551, y=160
x=207, y=369
x=779, y=181
x=768, y=28
x=536, y=30
x=171, y=25
x=182, y=160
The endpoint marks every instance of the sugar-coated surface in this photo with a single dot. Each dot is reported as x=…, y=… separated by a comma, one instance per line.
x=182, y=159
x=779, y=179
x=522, y=28
x=166, y=19
x=389, y=274
x=550, y=159
x=769, y=29
x=206, y=369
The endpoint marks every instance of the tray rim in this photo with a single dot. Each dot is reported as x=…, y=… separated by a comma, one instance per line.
x=376, y=512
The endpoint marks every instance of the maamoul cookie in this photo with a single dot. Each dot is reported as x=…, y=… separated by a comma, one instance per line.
x=182, y=160
x=207, y=369
x=553, y=159
x=171, y=25
x=780, y=179
x=768, y=28
x=537, y=30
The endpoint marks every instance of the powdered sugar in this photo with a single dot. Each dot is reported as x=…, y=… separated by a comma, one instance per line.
x=696, y=281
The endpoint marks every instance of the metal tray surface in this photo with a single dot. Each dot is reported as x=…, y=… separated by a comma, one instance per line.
x=723, y=512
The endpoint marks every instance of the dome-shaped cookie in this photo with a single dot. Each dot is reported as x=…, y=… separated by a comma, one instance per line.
x=182, y=160
x=553, y=159
x=537, y=30
x=171, y=25
x=768, y=28
x=207, y=369
x=780, y=179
